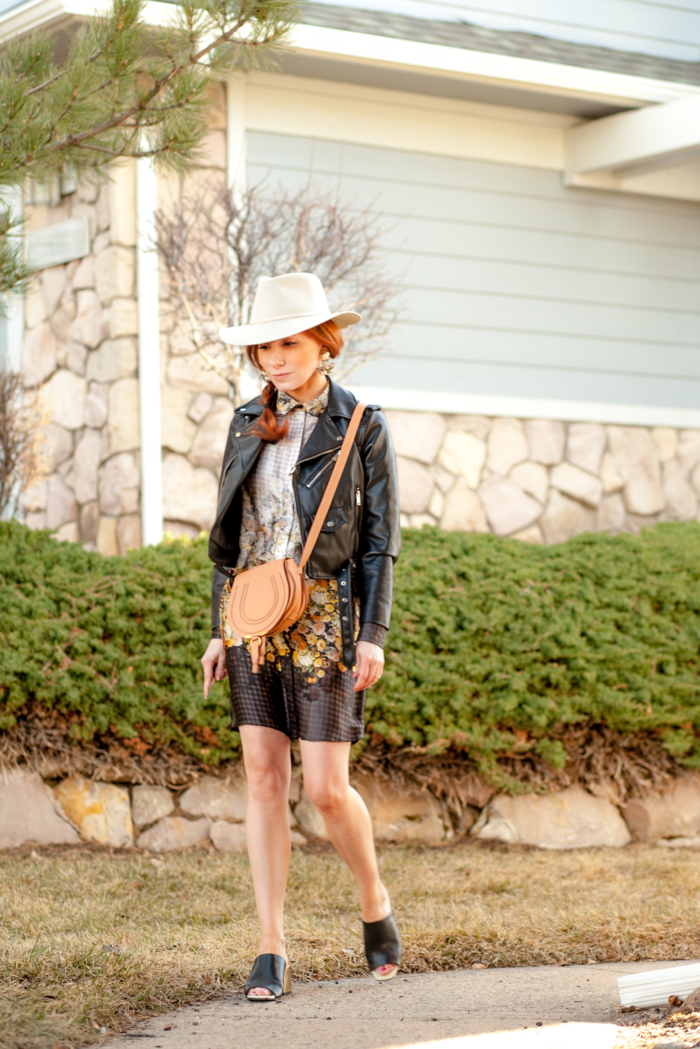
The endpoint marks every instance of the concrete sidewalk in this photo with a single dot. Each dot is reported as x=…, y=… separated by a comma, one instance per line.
x=568, y=1007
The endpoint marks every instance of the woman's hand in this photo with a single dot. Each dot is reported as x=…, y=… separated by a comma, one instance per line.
x=214, y=663
x=369, y=665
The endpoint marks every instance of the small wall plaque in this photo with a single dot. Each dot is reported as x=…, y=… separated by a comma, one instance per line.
x=56, y=244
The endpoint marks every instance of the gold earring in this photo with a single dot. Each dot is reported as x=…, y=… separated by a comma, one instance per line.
x=326, y=364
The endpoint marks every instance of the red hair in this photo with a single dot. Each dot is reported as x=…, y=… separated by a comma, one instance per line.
x=328, y=336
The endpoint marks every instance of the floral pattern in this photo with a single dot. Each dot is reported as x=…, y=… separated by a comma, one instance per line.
x=270, y=531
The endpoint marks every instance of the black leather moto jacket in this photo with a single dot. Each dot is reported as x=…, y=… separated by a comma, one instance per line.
x=361, y=538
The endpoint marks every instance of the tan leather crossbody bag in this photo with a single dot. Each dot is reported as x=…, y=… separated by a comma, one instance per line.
x=272, y=597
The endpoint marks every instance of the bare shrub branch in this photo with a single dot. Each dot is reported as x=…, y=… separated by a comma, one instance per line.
x=217, y=243
x=20, y=458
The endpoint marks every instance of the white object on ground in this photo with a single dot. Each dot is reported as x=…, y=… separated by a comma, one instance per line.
x=556, y=1036
x=653, y=988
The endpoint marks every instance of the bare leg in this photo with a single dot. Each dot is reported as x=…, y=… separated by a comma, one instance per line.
x=327, y=783
x=268, y=771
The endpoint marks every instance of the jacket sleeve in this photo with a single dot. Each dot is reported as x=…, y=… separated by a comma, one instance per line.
x=219, y=578
x=380, y=537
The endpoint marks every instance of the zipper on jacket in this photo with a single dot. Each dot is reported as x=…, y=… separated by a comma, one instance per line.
x=358, y=497
x=320, y=472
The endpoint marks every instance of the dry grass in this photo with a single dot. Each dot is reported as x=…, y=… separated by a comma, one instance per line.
x=91, y=939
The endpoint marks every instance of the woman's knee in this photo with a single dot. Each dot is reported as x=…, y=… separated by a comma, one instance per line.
x=328, y=797
x=267, y=780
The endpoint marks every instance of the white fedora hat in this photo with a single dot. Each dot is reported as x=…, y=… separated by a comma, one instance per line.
x=285, y=306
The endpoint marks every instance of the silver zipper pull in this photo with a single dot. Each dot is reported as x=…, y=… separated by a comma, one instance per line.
x=358, y=497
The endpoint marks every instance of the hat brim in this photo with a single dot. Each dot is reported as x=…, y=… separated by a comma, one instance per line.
x=269, y=331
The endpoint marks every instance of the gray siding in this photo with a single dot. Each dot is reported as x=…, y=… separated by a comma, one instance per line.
x=655, y=27
x=514, y=284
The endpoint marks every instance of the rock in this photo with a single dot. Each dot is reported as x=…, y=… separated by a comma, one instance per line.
x=115, y=359
x=443, y=478
x=191, y=372
x=577, y=483
x=76, y=358
x=506, y=446
x=174, y=833
x=467, y=820
x=415, y=486
x=96, y=406
x=177, y=431
x=546, y=439
x=84, y=276
x=681, y=500
x=507, y=507
x=689, y=449
x=228, y=837
x=34, y=308
x=585, y=445
x=128, y=533
x=416, y=435
x=118, y=485
x=67, y=533
x=61, y=506
x=199, y=407
x=463, y=512
x=28, y=812
x=464, y=455
x=532, y=478
x=107, y=537
x=38, y=355
x=692, y=1002
x=90, y=325
x=123, y=318
x=89, y=516
x=609, y=476
x=420, y=520
x=572, y=819
x=675, y=814
x=56, y=446
x=531, y=534
x=398, y=815
x=666, y=441
x=123, y=415
x=216, y=798
x=61, y=323
x=189, y=494
x=149, y=804
x=309, y=818
x=638, y=464
x=53, y=284
x=100, y=811
x=611, y=514
x=83, y=475
x=296, y=838
x=564, y=518
x=114, y=274
x=64, y=395
x=36, y=496
x=436, y=507
x=479, y=425
x=695, y=478
x=209, y=444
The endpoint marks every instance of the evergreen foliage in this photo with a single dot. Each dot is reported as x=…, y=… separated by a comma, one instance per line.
x=495, y=644
x=117, y=87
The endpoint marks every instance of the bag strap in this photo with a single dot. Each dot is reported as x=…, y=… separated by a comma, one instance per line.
x=332, y=485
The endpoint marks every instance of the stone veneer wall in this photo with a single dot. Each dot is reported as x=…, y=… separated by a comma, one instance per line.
x=541, y=480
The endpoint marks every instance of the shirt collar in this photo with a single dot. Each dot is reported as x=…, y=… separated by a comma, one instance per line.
x=286, y=404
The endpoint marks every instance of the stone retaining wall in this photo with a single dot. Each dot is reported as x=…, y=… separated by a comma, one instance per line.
x=212, y=813
x=542, y=480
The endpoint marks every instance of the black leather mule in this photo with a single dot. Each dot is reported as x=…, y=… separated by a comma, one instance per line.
x=271, y=972
x=382, y=946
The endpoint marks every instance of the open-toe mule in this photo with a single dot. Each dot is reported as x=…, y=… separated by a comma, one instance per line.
x=272, y=973
x=382, y=946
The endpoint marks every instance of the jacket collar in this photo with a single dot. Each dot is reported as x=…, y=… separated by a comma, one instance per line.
x=341, y=403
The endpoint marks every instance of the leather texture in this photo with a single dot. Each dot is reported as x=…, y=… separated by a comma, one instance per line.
x=271, y=597
x=382, y=942
x=271, y=972
x=360, y=538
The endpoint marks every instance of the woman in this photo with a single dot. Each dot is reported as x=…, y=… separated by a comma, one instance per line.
x=278, y=457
